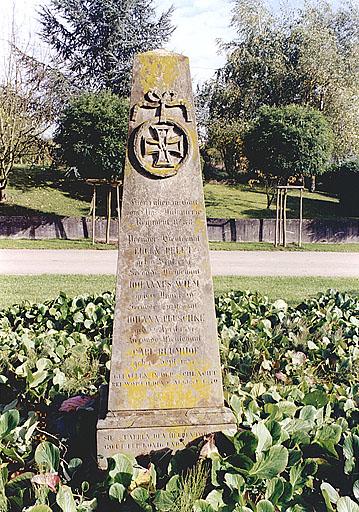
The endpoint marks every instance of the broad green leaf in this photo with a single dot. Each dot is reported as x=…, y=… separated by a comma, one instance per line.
x=332, y=494
x=215, y=499
x=280, y=410
x=87, y=506
x=117, y=492
x=240, y=461
x=351, y=452
x=264, y=506
x=39, y=508
x=271, y=465
x=74, y=465
x=356, y=489
x=245, y=442
x=202, y=506
x=47, y=457
x=316, y=398
x=295, y=476
x=294, y=457
x=327, y=437
x=308, y=413
x=77, y=317
x=59, y=379
x=215, y=470
x=257, y=390
x=174, y=484
x=275, y=430
x=18, y=482
x=164, y=501
x=9, y=420
x=346, y=504
x=234, y=481
x=264, y=437
x=274, y=490
x=37, y=378
x=280, y=305
x=120, y=469
x=65, y=499
x=141, y=497
x=43, y=363
x=236, y=405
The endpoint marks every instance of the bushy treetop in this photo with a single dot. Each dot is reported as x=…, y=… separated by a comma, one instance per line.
x=96, y=40
x=92, y=134
x=304, y=55
x=290, y=140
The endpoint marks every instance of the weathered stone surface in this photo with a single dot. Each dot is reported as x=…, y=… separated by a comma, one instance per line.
x=165, y=358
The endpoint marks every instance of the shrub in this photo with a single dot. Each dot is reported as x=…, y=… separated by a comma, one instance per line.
x=288, y=141
x=92, y=134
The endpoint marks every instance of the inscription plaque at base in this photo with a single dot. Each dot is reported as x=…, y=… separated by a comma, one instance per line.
x=165, y=380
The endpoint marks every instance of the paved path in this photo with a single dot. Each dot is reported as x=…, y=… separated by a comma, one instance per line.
x=224, y=263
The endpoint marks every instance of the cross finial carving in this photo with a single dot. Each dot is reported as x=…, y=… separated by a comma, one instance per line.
x=161, y=101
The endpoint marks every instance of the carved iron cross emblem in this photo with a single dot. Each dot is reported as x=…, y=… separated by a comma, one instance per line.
x=166, y=145
x=162, y=143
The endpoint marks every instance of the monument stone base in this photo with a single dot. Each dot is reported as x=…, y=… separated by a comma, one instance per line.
x=139, y=432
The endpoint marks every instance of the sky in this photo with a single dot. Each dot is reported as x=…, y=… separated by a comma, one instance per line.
x=199, y=24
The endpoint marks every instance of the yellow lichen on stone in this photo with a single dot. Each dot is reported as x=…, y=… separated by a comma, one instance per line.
x=158, y=71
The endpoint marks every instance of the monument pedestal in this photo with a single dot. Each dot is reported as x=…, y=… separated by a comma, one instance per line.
x=165, y=385
x=139, y=432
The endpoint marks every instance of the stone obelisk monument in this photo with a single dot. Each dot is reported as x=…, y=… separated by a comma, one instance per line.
x=165, y=380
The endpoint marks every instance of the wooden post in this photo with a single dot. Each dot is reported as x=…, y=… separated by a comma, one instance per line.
x=109, y=197
x=276, y=236
x=118, y=209
x=93, y=215
x=300, y=217
x=285, y=218
x=280, y=231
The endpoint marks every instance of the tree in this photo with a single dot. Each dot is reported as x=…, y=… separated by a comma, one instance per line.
x=306, y=56
x=288, y=141
x=29, y=94
x=225, y=138
x=92, y=134
x=96, y=40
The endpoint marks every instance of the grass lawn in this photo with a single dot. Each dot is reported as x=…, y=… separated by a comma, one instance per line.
x=244, y=202
x=40, y=190
x=266, y=246
x=7, y=243
x=292, y=289
x=43, y=191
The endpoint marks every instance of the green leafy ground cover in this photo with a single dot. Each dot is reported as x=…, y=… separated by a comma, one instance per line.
x=8, y=243
x=37, y=288
x=37, y=190
x=290, y=376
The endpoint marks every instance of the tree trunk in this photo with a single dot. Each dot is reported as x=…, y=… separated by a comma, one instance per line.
x=312, y=183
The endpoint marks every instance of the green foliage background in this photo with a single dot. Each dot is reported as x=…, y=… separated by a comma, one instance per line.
x=92, y=134
x=95, y=41
x=287, y=141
